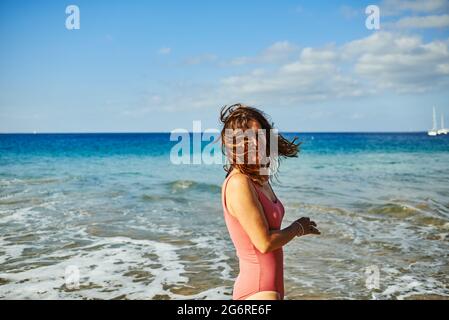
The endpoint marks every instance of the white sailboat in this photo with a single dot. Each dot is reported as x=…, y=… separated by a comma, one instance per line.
x=443, y=130
x=434, y=130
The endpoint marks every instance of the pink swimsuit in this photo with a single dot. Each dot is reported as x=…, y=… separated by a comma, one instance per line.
x=258, y=271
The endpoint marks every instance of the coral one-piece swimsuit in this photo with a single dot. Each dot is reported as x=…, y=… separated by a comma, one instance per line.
x=258, y=271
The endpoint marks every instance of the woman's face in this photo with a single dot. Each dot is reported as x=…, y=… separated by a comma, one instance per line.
x=256, y=142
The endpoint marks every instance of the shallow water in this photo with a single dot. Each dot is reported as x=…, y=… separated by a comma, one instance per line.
x=136, y=226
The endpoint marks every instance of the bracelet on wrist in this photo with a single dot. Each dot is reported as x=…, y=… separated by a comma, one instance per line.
x=302, y=229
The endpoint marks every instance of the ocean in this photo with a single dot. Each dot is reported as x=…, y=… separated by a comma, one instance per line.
x=109, y=216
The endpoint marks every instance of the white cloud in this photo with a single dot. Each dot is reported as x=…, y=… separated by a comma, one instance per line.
x=314, y=76
x=401, y=63
x=407, y=14
x=164, y=50
x=432, y=21
x=380, y=43
x=381, y=63
x=395, y=7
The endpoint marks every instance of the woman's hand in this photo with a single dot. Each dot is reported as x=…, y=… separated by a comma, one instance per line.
x=306, y=226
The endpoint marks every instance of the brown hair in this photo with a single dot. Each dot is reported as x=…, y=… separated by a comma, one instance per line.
x=239, y=116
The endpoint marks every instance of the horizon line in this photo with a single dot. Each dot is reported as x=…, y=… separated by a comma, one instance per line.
x=155, y=132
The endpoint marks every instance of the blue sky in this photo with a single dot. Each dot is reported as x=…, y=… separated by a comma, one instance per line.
x=159, y=65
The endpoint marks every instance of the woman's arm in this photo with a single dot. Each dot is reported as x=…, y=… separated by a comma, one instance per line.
x=242, y=202
x=301, y=227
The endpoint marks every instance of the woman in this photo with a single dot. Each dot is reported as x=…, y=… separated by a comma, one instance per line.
x=252, y=212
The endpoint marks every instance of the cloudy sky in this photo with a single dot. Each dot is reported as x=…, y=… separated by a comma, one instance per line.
x=159, y=65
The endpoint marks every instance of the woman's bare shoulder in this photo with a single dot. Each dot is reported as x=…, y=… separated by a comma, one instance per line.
x=239, y=187
x=238, y=180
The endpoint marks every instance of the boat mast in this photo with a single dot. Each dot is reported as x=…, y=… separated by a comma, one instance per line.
x=434, y=119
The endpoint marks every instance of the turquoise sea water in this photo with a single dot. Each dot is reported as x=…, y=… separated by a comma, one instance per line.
x=134, y=225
